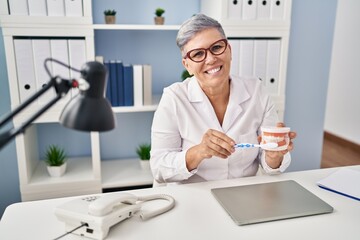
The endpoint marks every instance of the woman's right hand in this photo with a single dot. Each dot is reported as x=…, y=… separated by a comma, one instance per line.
x=213, y=143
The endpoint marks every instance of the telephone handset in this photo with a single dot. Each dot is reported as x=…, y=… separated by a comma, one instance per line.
x=105, y=205
x=99, y=212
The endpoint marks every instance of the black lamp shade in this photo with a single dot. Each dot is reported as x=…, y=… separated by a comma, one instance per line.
x=90, y=110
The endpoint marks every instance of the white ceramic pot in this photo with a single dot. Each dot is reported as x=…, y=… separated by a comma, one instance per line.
x=145, y=164
x=57, y=171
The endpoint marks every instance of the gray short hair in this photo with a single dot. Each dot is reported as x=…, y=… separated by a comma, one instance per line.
x=194, y=25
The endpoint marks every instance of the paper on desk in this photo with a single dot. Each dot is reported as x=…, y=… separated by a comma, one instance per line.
x=344, y=181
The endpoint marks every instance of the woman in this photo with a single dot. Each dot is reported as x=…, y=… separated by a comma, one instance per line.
x=199, y=120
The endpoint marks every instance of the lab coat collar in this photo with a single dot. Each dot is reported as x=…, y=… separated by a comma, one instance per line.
x=195, y=93
x=238, y=95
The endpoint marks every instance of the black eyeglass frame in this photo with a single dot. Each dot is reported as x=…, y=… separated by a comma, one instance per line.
x=187, y=55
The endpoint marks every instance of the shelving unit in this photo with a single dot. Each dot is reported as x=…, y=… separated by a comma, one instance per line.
x=87, y=174
x=90, y=174
x=83, y=173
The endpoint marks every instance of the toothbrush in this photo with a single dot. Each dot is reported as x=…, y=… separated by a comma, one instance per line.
x=251, y=145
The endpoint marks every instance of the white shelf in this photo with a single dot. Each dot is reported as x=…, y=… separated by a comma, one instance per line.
x=78, y=179
x=148, y=108
x=78, y=170
x=134, y=27
x=143, y=108
x=124, y=173
x=44, y=21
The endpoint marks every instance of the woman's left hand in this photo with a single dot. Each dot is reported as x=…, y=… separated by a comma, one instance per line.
x=274, y=158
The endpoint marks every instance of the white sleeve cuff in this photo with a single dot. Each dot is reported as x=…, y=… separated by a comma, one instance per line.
x=175, y=172
x=284, y=164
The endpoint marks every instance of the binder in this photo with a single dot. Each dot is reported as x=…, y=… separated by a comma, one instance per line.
x=119, y=81
x=42, y=50
x=77, y=57
x=263, y=10
x=18, y=7
x=235, y=54
x=25, y=68
x=128, y=85
x=277, y=9
x=249, y=10
x=56, y=7
x=37, y=7
x=108, y=84
x=147, y=83
x=138, y=85
x=260, y=54
x=59, y=51
x=235, y=9
x=4, y=8
x=273, y=66
x=246, y=58
x=73, y=8
x=113, y=77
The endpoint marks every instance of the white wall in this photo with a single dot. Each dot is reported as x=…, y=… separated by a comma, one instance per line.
x=342, y=116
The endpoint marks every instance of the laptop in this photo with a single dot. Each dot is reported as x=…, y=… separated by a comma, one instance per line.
x=266, y=202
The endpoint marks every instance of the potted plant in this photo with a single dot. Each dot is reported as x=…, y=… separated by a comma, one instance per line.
x=55, y=159
x=110, y=16
x=159, y=19
x=143, y=151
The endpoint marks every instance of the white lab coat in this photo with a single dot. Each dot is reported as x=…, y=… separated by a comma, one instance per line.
x=183, y=116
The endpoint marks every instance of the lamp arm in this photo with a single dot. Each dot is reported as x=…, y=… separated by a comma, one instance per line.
x=62, y=87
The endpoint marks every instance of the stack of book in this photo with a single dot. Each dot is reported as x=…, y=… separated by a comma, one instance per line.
x=128, y=84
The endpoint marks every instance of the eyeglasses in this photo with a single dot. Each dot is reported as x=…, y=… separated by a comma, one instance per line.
x=199, y=54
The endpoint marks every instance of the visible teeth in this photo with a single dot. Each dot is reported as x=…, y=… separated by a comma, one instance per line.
x=214, y=70
x=273, y=139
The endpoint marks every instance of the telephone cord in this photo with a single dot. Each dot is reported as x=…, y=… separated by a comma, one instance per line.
x=170, y=205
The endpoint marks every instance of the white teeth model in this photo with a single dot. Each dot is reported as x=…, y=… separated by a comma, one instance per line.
x=273, y=139
x=214, y=70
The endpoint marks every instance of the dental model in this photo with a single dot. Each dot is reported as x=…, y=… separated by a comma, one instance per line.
x=279, y=135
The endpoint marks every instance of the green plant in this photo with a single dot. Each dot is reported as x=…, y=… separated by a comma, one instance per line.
x=55, y=156
x=159, y=12
x=110, y=12
x=143, y=151
x=185, y=74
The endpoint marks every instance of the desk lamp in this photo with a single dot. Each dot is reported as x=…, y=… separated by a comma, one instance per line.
x=88, y=111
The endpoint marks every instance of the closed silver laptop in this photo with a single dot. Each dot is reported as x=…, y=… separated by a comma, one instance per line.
x=269, y=201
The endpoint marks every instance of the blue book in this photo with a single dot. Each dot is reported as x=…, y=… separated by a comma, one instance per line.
x=113, y=84
x=120, y=83
x=108, y=86
x=129, y=85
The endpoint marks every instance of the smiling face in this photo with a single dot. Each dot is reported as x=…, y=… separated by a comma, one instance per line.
x=214, y=71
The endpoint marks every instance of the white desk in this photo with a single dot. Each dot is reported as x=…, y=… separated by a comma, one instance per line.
x=197, y=215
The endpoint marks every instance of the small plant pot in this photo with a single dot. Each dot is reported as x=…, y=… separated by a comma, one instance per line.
x=159, y=20
x=57, y=171
x=110, y=19
x=145, y=164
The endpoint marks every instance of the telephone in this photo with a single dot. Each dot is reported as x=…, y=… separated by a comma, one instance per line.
x=100, y=212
